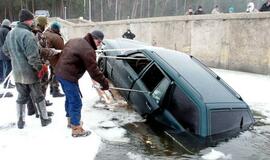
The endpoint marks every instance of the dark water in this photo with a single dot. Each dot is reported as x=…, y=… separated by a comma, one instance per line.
x=148, y=141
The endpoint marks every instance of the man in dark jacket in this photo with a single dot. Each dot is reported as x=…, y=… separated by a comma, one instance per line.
x=22, y=48
x=128, y=34
x=77, y=57
x=6, y=62
x=199, y=11
x=265, y=7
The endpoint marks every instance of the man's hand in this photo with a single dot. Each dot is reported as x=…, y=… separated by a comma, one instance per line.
x=105, y=85
x=43, y=71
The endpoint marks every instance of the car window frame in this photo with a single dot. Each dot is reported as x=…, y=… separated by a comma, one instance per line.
x=145, y=68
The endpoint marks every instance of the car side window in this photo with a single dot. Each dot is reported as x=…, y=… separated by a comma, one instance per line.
x=152, y=77
x=160, y=90
x=138, y=62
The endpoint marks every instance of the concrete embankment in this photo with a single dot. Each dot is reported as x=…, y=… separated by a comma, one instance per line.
x=237, y=41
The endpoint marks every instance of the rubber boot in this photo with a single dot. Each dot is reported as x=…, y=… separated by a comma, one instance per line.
x=45, y=120
x=30, y=108
x=21, y=115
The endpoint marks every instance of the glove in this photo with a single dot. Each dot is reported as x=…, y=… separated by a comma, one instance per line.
x=43, y=71
x=105, y=85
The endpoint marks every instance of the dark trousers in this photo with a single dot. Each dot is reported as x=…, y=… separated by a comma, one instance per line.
x=73, y=103
x=25, y=90
x=1, y=71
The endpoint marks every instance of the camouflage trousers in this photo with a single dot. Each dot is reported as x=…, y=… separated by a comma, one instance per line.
x=54, y=84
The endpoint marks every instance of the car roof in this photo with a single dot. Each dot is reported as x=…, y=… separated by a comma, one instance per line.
x=186, y=69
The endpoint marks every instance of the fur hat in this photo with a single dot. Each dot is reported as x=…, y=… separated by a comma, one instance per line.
x=42, y=21
x=6, y=22
x=97, y=35
x=25, y=15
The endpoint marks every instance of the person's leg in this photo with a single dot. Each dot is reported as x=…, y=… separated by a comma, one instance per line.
x=63, y=85
x=39, y=99
x=23, y=94
x=73, y=101
x=73, y=97
x=54, y=85
x=1, y=71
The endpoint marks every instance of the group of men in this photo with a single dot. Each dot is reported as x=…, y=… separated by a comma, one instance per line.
x=32, y=49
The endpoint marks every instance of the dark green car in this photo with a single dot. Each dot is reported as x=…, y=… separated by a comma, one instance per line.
x=174, y=88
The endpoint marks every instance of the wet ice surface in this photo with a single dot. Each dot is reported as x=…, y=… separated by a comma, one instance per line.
x=120, y=133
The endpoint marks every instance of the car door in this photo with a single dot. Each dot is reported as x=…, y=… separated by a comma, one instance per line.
x=155, y=81
x=126, y=70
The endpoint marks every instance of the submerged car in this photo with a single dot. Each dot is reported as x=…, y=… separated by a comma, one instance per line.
x=173, y=88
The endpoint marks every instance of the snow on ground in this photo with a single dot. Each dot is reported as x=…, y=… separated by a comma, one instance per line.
x=55, y=141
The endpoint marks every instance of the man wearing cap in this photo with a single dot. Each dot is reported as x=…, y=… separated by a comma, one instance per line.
x=22, y=48
x=77, y=57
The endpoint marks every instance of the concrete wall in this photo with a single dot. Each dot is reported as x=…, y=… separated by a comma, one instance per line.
x=237, y=41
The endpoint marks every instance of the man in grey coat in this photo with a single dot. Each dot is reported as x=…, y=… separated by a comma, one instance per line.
x=22, y=48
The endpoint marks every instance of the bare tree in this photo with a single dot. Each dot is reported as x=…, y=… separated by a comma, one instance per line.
x=101, y=10
x=116, y=8
x=176, y=7
x=134, y=9
x=10, y=9
x=148, y=8
x=141, y=12
x=33, y=6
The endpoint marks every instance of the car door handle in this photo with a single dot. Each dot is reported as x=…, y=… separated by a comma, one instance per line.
x=130, y=78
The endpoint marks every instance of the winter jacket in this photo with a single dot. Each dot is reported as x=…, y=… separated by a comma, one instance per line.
x=22, y=48
x=78, y=56
x=129, y=35
x=3, y=33
x=265, y=7
x=54, y=40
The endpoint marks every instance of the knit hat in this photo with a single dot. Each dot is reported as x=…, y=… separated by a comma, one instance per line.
x=42, y=21
x=55, y=26
x=25, y=15
x=97, y=35
x=6, y=22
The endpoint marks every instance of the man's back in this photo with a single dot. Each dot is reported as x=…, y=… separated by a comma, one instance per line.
x=129, y=35
x=22, y=47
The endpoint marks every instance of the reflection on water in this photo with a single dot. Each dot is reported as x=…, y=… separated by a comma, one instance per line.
x=148, y=141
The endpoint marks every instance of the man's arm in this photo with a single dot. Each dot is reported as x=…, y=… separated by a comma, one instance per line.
x=32, y=52
x=5, y=49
